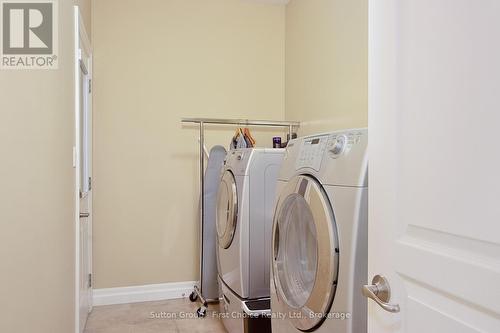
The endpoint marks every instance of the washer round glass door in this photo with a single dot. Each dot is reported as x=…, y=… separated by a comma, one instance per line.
x=305, y=260
x=227, y=209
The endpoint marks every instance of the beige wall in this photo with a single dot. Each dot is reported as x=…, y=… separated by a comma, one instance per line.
x=155, y=62
x=327, y=64
x=37, y=192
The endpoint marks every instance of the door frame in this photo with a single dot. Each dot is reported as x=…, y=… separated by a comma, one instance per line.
x=81, y=40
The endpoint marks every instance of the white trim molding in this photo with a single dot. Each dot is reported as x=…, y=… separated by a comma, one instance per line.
x=145, y=293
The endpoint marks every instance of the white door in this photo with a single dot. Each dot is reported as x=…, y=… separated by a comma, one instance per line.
x=83, y=126
x=434, y=216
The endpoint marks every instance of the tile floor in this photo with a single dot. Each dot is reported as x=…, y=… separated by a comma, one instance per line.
x=138, y=318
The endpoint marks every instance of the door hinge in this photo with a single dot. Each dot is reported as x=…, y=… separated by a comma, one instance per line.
x=90, y=281
x=90, y=183
x=90, y=86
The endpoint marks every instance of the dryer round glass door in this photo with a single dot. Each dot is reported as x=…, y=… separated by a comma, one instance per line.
x=227, y=210
x=305, y=260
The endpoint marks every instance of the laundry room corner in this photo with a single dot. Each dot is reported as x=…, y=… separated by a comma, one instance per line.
x=326, y=64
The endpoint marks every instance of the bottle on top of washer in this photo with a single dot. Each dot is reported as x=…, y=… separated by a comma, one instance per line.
x=277, y=141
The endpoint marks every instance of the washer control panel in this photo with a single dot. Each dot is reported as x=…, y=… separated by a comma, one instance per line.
x=234, y=155
x=311, y=152
x=333, y=145
x=237, y=160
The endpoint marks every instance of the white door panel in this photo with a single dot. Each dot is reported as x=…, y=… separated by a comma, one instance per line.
x=434, y=161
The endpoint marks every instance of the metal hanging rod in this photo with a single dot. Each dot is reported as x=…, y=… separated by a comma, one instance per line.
x=243, y=122
x=246, y=122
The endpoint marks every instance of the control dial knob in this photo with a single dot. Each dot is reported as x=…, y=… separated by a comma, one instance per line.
x=338, y=145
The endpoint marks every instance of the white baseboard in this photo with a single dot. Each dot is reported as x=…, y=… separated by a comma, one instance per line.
x=145, y=293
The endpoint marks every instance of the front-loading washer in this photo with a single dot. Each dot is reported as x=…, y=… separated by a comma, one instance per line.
x=245, y=207
x=319, y=259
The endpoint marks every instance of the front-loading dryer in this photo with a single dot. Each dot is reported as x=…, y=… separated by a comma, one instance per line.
x=245, y=207
x=319, y=259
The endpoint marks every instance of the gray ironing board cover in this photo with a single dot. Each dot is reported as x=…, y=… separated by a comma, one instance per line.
x=209, y=287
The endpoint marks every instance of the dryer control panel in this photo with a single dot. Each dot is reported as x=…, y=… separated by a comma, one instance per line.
x=311, y=152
